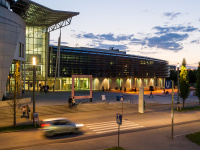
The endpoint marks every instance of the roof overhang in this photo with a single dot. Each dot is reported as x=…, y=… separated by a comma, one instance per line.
x=35, y=14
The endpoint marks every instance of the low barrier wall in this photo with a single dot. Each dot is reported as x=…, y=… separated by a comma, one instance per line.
x=21, y=101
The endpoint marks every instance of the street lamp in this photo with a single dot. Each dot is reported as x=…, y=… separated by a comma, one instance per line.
x=34, y=75
x=178, y=82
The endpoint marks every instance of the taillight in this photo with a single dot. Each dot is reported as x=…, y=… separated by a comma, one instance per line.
x=45, y=125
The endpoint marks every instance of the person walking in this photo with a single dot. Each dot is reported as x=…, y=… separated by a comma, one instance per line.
x=151, y=95
x=23, y=112
x=27, y=111
x=70, y=102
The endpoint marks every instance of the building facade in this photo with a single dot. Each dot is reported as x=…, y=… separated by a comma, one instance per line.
x=12, y=42
x=110, y=69
x=25, y=28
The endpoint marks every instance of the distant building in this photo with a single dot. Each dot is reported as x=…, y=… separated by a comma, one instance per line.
x=172, y=67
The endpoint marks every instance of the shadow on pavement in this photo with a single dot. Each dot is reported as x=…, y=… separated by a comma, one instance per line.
x=64, y=136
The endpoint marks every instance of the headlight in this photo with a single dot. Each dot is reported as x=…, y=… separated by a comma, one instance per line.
x=79, y=125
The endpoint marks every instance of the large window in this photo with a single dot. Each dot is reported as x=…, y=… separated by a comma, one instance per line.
x=36, y=47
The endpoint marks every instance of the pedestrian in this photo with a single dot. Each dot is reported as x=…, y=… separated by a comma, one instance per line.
x=45, y=89
x=151, y=95
x=27, y=111
x=23, y=112
x=70, y=101
x=144, y=105
x=41, y=89
x=124, y=89
x=103, y=88
x=178, y=105
x=73, y=102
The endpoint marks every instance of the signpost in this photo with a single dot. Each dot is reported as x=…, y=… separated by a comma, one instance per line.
x=36, y=118
x=169, y=84
x=121, y=98
x=119, y=122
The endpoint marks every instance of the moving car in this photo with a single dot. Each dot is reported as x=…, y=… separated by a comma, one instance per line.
x=59, y=125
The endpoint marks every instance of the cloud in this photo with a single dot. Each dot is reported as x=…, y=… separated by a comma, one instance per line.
x=170, y=41
x=61, y=42
x=195, y=41
x=147, y=53
x=107, y=46
x=172, y=15
x=108, y=37
x=164, y=30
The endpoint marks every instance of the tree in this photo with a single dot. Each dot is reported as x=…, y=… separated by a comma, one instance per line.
x=192, y=76
x=17, y=94
x=173, y=76
x=198, y=83
x=184, y=82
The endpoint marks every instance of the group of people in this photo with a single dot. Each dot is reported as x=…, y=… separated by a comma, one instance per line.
x=45, y=88
x=25, y=111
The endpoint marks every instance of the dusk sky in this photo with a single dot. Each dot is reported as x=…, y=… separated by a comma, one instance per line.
x=166, y=30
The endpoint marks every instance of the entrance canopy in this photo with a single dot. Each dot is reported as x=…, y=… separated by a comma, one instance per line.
x=35, y=14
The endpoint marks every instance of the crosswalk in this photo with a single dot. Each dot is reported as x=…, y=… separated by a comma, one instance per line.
x=112, y=126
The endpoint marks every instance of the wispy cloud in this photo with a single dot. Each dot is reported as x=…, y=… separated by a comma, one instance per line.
x=107, y=46
x=61, y=43
x=164, y=30
x=108, y=37
x=172, y=15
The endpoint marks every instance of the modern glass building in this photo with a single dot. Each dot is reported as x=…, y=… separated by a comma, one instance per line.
x=40, y=21
x=25, y=33
x=109, y=68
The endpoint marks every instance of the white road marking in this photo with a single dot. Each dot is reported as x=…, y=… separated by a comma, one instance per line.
x=112, y=126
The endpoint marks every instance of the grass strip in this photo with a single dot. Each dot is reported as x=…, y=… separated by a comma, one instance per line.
x=194, y=137
x=115, y=148
x=189, y=108
x=18, y=127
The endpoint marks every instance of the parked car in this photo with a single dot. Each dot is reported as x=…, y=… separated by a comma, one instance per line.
x=54, y=126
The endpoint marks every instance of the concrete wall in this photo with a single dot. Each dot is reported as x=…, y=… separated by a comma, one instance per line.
x=21, y=101
x=12, y=32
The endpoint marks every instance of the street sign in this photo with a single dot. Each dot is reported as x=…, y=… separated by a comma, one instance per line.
x=121, y=98
x=119, y=118
x=168, y=84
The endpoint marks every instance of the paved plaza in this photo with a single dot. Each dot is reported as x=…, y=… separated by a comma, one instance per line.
x=61, y=97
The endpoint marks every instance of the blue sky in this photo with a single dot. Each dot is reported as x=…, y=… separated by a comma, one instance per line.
x=166, y=30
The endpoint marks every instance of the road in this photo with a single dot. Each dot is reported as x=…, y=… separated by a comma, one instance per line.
x=151, y=130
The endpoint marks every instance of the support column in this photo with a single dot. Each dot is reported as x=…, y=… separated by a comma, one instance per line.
x=24, y=77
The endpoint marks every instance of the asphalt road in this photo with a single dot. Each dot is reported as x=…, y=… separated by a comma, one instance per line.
x=151, y=130
x=154, y=139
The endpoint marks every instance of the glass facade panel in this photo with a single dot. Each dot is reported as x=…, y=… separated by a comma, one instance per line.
x=36, y=47
x=77, y=61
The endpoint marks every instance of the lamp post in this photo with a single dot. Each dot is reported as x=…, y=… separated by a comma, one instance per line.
x=34, y=75
x=178, y=82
